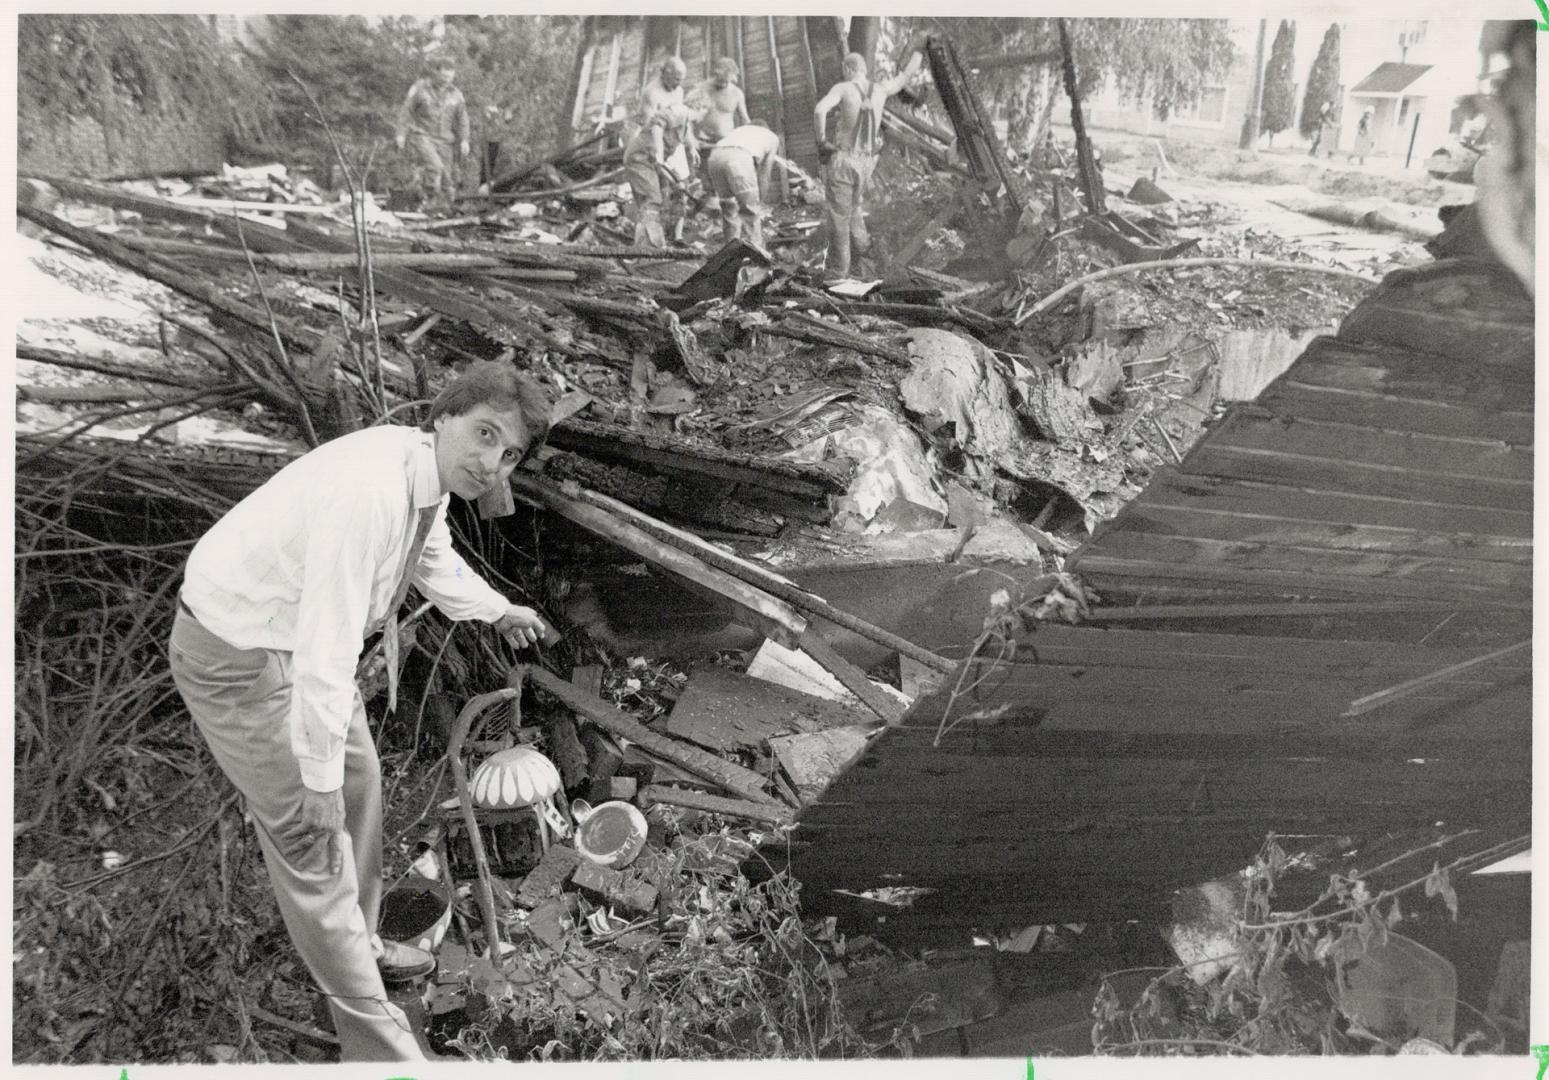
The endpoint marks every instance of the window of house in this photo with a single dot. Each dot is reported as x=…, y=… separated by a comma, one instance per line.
x=1209, y=108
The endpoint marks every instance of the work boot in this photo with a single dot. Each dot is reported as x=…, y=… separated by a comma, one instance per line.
x=400, y=963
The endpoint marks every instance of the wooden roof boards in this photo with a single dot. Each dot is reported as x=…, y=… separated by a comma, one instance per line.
x=1383, y=485
x=1393, y=461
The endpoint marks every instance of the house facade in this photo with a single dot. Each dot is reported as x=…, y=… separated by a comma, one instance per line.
x=1410, y=72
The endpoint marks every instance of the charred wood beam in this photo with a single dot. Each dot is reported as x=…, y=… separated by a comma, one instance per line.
x=904, y=118
x=322, y=261
x=610, y=443
x=125, y=200
x=915, y=314
x=975, y=134
x=812, y=331
x=668, y=795
x=448, y=301
x=547, y=193
x=1086, y=163
x=522, y=172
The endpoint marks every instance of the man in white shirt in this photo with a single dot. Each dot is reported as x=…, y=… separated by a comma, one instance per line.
x=276, y=600
x=739, y=165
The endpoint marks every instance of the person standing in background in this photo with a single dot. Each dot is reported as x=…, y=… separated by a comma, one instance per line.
x=432, y=123
x=850, y=157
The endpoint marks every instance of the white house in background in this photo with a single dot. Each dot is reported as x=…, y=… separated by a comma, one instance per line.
x=1410, y=72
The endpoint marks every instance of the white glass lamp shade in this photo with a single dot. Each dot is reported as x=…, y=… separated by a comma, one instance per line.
x=519, y=776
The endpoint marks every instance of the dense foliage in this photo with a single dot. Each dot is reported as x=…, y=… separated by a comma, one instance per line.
x=513, y=70
x=109, y=67
x=1166, y=62
x=1322, y=82
x=1279, y=107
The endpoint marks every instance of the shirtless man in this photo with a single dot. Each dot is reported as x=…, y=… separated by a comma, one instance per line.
x=851, y=155
x=662, y=92
x=645, y=162
x=725, y=106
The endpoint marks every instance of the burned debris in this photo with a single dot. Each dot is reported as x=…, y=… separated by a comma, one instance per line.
x=921, y=641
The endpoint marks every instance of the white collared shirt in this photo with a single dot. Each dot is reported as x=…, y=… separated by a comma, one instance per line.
x=308, y=563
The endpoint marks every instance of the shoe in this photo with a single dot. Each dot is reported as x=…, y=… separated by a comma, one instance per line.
x=400, y=963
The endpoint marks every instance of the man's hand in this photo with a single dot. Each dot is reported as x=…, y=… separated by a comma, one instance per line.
x=321, y=821
x=522, y=626
x=400, y=140
x=463, y=147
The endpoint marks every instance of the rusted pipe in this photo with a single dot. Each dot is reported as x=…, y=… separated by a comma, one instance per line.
x=486, y=889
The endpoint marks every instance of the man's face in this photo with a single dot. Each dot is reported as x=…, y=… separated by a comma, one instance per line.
x=444, y=76
x=478, y=449
x=672, y=76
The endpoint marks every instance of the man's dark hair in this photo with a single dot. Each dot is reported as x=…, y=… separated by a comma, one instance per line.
x=502, y=388
x=442, y=63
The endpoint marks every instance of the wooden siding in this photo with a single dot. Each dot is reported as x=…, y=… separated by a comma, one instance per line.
x=1099, y=769
x=787, y=62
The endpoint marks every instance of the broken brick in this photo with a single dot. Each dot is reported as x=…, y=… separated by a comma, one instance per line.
x=612, y=887
x=548, y=878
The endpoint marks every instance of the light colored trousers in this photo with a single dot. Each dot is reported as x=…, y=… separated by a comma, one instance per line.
x=845, y=179
x=734, y=177
x=240, y=699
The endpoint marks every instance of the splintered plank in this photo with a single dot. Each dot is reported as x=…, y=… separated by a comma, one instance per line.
x=1248, y=430
x=1325, y=473
x=725, y=710
x=1475, y=313
x=1361, y=572
x=1408, y=391
x=1157, y=518
x=1225, y=495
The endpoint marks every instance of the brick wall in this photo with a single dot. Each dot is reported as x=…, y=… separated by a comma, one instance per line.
x=138, y=145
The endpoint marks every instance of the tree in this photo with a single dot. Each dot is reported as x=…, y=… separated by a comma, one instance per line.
x=1322, y=82
x=862, y=37
x=1279, y=91
x=1167, y=62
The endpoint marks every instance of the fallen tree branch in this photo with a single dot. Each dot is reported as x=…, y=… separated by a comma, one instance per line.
x=1182, y=264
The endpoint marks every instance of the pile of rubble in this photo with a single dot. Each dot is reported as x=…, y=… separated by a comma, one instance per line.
x=769, y=416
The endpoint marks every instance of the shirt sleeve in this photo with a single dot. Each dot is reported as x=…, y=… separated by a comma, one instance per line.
x=450, y=583
x=350, y=532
